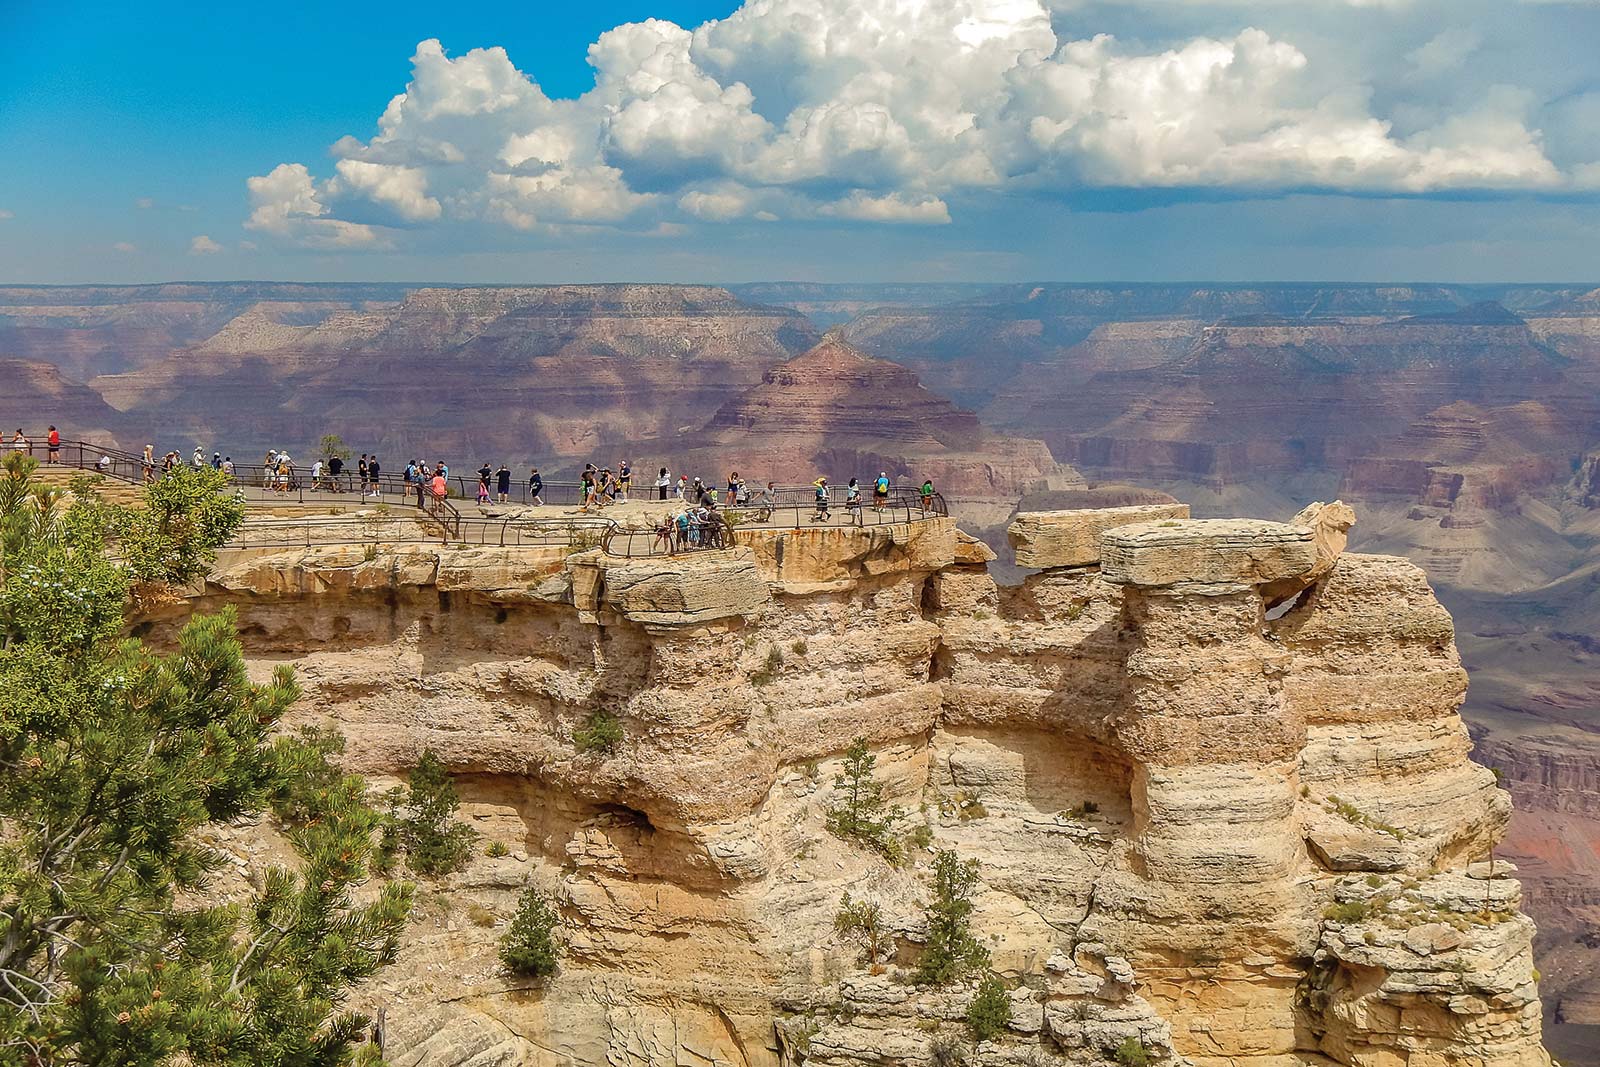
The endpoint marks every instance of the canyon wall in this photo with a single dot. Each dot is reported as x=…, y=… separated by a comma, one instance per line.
x=1212, y=772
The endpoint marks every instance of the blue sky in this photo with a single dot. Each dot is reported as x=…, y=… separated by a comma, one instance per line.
x=820, y=139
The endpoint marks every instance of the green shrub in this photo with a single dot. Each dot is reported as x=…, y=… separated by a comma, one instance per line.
x=768, y=671
x=1352, y=911
x=496, y=850
x=422, y=821
x=529, y=946
x=921, y=836
x=861, y=921
x=951, y=951
x=990, y=1011
x=860, y=812
x=601, y=732
x=799, y=648
x=945, y=1050
x=1132, y=1053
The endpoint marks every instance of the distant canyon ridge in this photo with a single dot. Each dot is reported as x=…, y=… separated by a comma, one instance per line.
x=1461, y=421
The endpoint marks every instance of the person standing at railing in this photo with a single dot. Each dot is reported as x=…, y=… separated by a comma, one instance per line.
x=485, y=473
x=852, y=501
x=361, y=473
x=880, y=491
x=103, y=464
x=663, y=483
x=227, y=466
x=335, y=468
x=373, y=470
x=216, y=461
x=535, y=488
x=148, y=461
x=316, y=474
x=624, y=481
x=19, y=443
x=502, y=483
x=820, y=512
x=52, y=443
x=927, y=494
x=441, y=485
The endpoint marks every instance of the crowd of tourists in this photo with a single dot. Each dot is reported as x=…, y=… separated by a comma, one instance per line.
x=697, y=519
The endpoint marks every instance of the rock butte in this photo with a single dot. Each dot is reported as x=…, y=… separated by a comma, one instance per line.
x=1239, y=836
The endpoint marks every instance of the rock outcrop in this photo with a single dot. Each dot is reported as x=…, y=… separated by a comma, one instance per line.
x=1204, y=837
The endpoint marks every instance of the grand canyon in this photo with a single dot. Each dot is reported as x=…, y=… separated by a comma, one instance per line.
x=1459, y=422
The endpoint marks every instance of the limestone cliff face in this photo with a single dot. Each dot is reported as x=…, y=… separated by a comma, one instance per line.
x=1234, y=839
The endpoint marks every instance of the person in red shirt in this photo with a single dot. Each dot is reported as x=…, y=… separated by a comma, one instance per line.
x=54, y=443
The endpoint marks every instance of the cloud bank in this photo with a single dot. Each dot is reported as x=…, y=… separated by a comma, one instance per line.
x=891, y=112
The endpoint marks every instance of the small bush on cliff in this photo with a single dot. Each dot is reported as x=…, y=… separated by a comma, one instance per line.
x=951, y=952
x=860, y=811
x=861, y=921
x=1132, y=1053
x=945, y=1050
x=423, y=821
x=990, y=1011
x=529, y=946
x=1352, y=911
x=601, y=732
x=767, y=673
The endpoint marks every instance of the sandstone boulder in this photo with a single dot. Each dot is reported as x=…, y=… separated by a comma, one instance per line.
x=684, y=590
x=1206, y=555
x=1072, y=538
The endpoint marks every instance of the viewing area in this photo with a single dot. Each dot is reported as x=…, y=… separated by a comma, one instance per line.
x=300, y=514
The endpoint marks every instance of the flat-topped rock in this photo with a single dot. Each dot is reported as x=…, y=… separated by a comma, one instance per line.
x=672, y=590
x=1072, y=538
x=1217, y=554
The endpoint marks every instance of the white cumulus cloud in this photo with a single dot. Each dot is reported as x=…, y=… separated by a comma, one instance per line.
x=888, y=111
x=203, y=246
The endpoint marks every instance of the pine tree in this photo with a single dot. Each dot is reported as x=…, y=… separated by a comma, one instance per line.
x=112, y=759
x=861, y=812
x=424, y=820
x=951, y=952
x=529, y=947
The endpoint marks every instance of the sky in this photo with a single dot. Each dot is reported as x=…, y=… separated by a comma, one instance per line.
x=820, y=140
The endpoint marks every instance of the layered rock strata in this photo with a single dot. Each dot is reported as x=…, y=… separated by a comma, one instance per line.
x=1208, y=835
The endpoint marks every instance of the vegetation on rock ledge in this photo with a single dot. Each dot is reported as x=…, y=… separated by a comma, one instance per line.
x=861, y=813
x=529, y=947
x=422, y=821
x=951, y=952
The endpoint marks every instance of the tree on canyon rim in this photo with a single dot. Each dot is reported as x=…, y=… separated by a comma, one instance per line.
x=860, y=811
x=115, y=759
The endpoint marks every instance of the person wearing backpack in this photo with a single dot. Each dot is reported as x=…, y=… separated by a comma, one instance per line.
x=880, y=491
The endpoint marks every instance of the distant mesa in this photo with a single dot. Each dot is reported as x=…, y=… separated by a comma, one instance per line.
x=838, y=411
